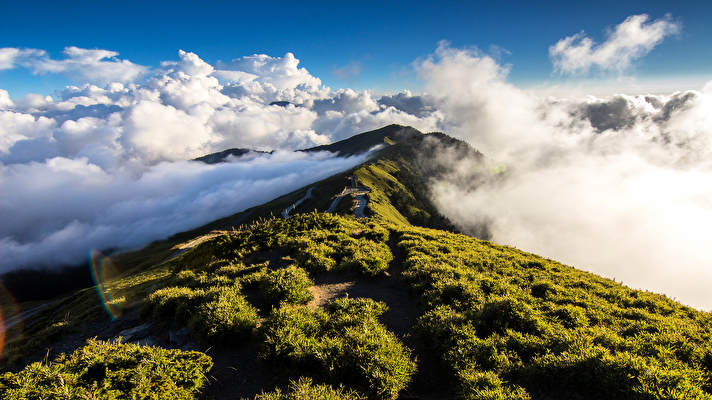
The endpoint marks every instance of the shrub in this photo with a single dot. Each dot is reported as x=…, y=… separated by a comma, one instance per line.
x=304, y=389
x=289, y=284
x=570, y=316
x=344, y=343
x=500, y=315
x=227, y=315
x=173, y=305
x=104, y=370
x=214, y=315
x=484, y=385
x=509, y=323
x=365, y=256
x=312, y=256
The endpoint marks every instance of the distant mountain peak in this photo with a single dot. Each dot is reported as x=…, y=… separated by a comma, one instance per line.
x=221, y=156
x=363, y=142
x=357, y=144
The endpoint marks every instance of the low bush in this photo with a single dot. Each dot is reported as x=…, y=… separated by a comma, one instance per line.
x=511, y=325
x=304, y=389
x=111, y=371
x=214, y=315
x=226, y=315
x=343, y=343
x=290, y=285
x=365, y=256
x=173, y=306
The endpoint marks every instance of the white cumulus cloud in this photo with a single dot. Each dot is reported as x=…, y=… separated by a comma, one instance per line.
x=618, y=185
x=628, y=41
x=103, y=163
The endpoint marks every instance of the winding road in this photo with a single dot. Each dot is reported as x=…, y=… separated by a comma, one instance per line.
x=286, y=211
x=359, y=193
x=362, y=201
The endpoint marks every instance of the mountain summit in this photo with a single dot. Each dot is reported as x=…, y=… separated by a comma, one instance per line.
x=354, y=287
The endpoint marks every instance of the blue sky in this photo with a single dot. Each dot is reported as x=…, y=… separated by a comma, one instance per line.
x=381, y=38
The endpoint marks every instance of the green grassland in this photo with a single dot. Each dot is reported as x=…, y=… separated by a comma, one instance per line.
x=495, y=322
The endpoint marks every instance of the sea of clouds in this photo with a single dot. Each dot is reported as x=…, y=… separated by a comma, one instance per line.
x=618, y=185
x=105, y=164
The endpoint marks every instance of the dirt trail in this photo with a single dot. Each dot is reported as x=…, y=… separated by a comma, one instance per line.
x=431, y=380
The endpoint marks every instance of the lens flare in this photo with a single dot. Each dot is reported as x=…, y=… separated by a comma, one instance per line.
x=10, y=319
x=103, y=270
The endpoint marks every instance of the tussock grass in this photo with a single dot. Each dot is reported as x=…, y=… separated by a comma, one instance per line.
x=512, y=325
x=289, y=285
x=343, y=343
x=111, y=371
x=304, y=389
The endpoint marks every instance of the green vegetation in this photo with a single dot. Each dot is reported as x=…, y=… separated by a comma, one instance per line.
x=290, y=285
x=505, y=324
x=512, y=325
x=399, y=179
x=111, y=371
x=344, y=343
x=316, y=243
x=509, y=325
x=304, y=389
x=216, y=315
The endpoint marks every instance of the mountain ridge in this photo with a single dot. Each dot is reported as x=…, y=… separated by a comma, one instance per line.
x=356, y=144
x=331, y=306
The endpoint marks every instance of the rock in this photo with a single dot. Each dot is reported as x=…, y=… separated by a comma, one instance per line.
x=137, y=332
x=179, y=336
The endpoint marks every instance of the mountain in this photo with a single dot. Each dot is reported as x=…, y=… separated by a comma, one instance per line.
x=356, y=144
x=222, y=156
x=398, y=175
x=287, y=301
x=361, y=143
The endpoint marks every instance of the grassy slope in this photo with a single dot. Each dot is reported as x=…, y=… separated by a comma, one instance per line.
x=502, y=322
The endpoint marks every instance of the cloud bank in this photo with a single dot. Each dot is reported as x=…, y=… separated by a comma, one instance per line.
x=57, y=210
x=103, y=164
x=619, y=185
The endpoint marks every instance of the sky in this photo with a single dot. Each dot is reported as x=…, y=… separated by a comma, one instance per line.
x=599, y=114
x=363, y=45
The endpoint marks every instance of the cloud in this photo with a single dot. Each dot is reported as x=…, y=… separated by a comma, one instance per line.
x=91, y=208
x=271, y=78
x=101, y=165
x=616, y=185
x=349, y=71
x=187, y=108
x=419, y=105
x=10, y=56
x=15, y=127
x=93, y=65
x=630, y=40
x=5, y=101
x=163, y=132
